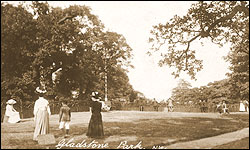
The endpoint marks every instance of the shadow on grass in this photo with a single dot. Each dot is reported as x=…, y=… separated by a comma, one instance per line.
x=180, y=130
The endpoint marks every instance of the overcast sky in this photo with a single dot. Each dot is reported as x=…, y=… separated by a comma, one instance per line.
x=134, y=20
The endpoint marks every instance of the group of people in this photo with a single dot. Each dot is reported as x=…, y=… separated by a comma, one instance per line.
x=203, y=105
x=95, y=129
x=42, y=113
x=222, y=107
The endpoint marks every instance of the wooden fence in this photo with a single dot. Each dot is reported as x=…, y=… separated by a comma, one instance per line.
x=180, y=108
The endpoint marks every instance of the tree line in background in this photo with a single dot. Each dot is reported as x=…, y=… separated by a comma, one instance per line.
x=220, y=22
x=213, y=92
x=37, y=40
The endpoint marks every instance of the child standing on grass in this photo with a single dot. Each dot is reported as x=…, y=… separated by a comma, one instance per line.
x=64, y=118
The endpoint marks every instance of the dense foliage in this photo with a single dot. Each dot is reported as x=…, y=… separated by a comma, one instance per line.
x=213, y=92
x=38, y=40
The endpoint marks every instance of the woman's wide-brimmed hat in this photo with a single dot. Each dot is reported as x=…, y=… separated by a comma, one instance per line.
x=39, y=90
x=95, y=95
x=11, y=101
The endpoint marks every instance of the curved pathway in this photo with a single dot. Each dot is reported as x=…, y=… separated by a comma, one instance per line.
x=209, y=143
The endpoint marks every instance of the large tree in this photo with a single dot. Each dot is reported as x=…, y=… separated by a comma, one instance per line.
x=217, y=21
x=18, y=46
x=73, y=40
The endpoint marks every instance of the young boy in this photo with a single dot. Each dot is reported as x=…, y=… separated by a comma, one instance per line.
x=64, y=118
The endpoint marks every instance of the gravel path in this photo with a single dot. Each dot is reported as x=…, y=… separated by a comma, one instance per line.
x=208, y=143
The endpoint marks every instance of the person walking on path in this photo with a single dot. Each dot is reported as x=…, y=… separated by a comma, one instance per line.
x=64, y=118
x=41, y=115
x=95, y=128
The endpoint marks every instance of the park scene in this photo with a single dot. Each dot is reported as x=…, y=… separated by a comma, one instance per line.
x=125, y=75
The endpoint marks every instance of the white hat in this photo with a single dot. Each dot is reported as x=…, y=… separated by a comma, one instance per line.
x=95, y=94
x=40, y=91
x=11, y=101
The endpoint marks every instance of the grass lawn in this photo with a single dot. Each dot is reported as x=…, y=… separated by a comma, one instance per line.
x=133, y=127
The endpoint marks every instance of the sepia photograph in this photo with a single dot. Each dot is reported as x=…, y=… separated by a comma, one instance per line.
x=124, y=74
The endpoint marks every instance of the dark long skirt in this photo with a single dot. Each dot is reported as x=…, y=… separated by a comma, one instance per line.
x=95, y=129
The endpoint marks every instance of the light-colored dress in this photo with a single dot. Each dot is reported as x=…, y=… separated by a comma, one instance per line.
x=41, y=117
x=12, y=116
x=170, y=103
x=242, y=107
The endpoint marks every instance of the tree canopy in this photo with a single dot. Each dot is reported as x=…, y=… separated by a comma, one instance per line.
x=37, y=43
x=217, y=21
x=213, y=92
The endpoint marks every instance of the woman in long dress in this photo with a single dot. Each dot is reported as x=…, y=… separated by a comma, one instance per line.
x=242, y=106
x=11, y=115
x=95, y=128
x=41, y=115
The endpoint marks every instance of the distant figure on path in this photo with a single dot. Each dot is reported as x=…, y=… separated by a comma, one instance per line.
x=201, y=105
x=95, y=128
x=170, y=105
x=64, y=118
x=242, y=106
x=11, y=115
x=205, y=105
x=141, y=107
x=41, y=115
x=219, y=107
x=246, y=104
x=224, y=107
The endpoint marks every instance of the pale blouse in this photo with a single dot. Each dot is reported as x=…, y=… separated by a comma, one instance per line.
x=9, y=110
x=41, y=104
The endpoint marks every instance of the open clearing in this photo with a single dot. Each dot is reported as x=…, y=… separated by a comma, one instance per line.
x=149, y=128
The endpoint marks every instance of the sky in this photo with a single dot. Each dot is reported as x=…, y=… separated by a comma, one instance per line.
x=134, y=20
